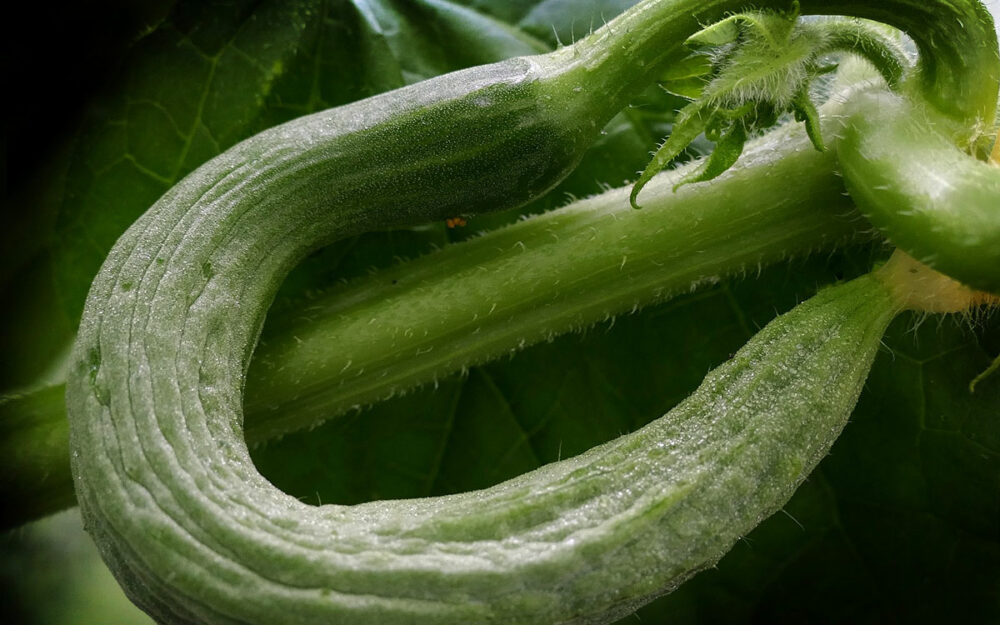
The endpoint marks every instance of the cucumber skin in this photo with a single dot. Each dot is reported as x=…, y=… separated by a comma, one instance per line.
x=195, y=535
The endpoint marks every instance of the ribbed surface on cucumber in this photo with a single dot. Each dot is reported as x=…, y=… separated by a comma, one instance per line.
x=197, y=536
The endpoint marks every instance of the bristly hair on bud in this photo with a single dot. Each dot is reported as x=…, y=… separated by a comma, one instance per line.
x=747, y=71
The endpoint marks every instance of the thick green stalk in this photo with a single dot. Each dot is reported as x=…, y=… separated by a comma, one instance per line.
x=929, y=198
x=906, y=158
x=34, y=455
x=958, y=72
x=563, y=270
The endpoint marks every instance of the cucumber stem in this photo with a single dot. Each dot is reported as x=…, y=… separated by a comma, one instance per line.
x=918, y=287
x=915, y=286
x=559, y=271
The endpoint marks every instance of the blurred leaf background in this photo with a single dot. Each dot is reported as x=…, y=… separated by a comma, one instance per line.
x=900, y=524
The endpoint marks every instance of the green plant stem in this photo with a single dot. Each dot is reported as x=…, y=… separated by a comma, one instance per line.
x=34, y=448
x=992, y=369
x=936, y=202
x=564, y=270
x=495, y=294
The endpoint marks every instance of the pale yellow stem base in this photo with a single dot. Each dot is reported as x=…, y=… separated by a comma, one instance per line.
x=918, y=287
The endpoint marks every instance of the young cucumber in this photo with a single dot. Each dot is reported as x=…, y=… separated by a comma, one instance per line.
x=196, y=535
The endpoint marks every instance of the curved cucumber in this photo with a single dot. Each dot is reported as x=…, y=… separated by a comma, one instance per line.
x=926, y=196
x=195, y=535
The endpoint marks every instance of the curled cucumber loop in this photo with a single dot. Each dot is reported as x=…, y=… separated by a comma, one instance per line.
x=197, y=536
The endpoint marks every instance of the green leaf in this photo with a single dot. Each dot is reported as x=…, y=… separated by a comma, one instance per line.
x=727, y=151
x=691, y=66
x=771, y=27
x=690, y=123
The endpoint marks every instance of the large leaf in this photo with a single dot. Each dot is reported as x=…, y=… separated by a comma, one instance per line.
x=900, y=523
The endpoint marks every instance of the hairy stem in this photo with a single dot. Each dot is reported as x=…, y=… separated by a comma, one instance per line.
x=567, y=269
